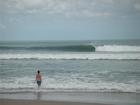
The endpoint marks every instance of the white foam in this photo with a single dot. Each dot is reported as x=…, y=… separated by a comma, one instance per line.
x=26, y=84
x=118, y=48
x=73, y=56
x=23, y=82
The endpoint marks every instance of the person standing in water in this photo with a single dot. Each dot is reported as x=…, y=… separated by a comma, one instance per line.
x=38, y=78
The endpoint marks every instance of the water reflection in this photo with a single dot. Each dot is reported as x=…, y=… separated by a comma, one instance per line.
x=38, y=95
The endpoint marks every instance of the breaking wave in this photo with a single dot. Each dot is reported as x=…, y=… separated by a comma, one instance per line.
x=118, y=48
x=76, y=48
x=72, y=52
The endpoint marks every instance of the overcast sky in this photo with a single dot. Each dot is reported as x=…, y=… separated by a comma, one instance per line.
x=69, y=19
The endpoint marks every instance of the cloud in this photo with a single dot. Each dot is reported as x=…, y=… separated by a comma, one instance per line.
x=2, y=26
x=70, y=8
x=137, y=6
x=63, y=7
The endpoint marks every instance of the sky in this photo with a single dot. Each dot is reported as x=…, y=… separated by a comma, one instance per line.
x=69, y=19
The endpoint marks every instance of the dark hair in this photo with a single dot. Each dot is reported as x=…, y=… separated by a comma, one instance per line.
x=38, y=71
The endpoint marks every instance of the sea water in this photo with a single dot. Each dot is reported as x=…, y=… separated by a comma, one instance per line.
x=97, y=66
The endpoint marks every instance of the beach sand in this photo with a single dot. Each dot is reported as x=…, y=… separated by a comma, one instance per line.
x=39, y=102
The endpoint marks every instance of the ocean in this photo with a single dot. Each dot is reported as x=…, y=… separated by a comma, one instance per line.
x=94, y=66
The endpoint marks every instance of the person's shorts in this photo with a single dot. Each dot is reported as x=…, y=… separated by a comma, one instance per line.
x=38, y=83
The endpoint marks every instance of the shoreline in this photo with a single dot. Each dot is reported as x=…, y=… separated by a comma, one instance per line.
x=50, y=90
x=71, y=98
x=39, y=102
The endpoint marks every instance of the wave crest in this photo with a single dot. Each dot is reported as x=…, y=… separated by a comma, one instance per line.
x=77, y=48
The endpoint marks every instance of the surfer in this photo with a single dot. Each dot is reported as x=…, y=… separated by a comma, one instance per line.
x=38, y=78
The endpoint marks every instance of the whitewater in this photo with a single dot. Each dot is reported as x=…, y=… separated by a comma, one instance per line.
x=85, y=56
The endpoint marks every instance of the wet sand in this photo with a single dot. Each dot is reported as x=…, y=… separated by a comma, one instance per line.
x=68, y=98
x=39, y=102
